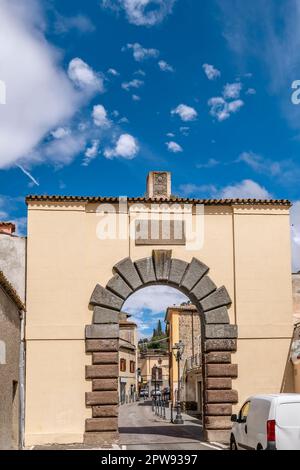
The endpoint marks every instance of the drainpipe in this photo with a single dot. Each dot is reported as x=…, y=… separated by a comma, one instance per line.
x=22, y=382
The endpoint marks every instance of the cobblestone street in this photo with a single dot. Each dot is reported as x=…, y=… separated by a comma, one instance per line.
x=140, y=429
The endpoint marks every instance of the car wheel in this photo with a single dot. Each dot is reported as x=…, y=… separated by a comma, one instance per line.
x=259, y=447
x=233, y=445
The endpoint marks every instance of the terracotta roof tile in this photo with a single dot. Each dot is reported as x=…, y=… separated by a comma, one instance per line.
x=93, y=199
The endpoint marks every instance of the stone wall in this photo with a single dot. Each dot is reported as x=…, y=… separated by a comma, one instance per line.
x=9, y=372
x=13, y=261
x=296, y=297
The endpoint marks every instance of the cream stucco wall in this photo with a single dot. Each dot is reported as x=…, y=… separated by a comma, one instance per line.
x=247, y=250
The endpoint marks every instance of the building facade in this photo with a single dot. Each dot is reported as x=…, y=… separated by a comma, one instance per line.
x=149, y=361
x=296, y=297
x=183, y=324
x=237, y=274
x=127, y=360
x=12, y=311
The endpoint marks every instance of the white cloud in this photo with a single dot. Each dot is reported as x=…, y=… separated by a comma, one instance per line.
x=246, y=189
x=136, y=98
x=100, y=116
x=221, y=109
x=60, y=132
x=126, y=147
x=135, y=83
x=113, y=72
x=295, y=220
x=286, y=170
x=186, y=113
x=170, y=134
x=174, y=147
x=232, y=91
x=84, y=76
x=60, y=151
x=165, y=67
x=211, y=163
x=140, y=72
x=142, y=12
x=191, y=189
x=40, y=95
x=140, y=53
x=251, y=91
x=211, y=72
x=91, y=152
x=184, y=130
x=259, y=164
x=80, y=23
x=155, y=298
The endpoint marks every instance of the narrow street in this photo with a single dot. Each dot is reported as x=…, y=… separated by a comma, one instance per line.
x=140, y=429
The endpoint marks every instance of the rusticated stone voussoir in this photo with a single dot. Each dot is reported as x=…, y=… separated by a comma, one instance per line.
x=203, y=288
x=118, y=286
x=219, y=298
x=218, y=422
x=195, y=271
x=94, y=345
x=105, y=411
x=101, y=424
x=221, y=396
x=102, y=331
x=101, y=398
x=218, y=383
x=218, y=357
x=105, y=358
x=220, y=345
x=128, y=272
x=221, y=331
x=224, y=409
x=104, y=298
x=145, y=269
x=105, y=384
x=162, y=264
x=222, y=370
x=105, y=371
x=105, y=315
x=218, y=316
x=177, y=271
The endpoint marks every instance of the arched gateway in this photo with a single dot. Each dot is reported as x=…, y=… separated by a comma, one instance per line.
x=218, y=341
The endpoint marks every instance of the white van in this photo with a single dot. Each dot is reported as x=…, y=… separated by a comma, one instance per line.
x=267, y=422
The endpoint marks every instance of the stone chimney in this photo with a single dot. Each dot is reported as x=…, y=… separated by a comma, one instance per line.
x=159, y=185
x=7, y=227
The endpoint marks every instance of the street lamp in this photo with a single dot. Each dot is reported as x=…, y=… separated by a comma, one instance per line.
x=178, y=350
x=154, y=372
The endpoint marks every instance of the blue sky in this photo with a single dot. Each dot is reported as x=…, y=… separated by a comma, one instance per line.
x=98, y=93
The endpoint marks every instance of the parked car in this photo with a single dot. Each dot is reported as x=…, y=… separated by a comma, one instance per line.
x=267, y=422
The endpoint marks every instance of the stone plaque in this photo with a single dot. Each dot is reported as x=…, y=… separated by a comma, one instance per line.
x=159, y=232
x=159, y=185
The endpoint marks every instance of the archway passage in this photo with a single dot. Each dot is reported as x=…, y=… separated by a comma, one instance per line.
x=219, y=341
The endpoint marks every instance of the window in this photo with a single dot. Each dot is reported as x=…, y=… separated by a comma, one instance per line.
x=123, y=365
x=244, y=412
x=132, y=367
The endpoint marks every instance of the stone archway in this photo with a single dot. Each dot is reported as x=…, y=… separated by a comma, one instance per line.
x=219, y=341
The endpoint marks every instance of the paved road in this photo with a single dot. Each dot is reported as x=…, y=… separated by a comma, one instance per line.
x=140, y=429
